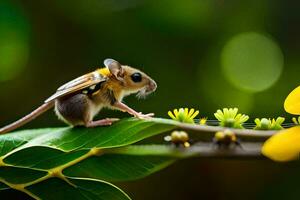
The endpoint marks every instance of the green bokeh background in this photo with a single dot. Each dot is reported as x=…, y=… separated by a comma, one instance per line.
x=180, y=44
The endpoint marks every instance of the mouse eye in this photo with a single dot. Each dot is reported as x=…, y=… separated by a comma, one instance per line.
x=136, y=77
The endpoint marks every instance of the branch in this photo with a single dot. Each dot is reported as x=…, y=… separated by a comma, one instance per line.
x=245, y=150
x=199, y=149
x=206, y=129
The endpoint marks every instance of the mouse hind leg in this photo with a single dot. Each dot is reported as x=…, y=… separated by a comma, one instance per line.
x=77, y=110
x=102, y=122
x=74, y=110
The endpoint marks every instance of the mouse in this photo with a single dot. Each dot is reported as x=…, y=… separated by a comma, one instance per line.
x=78, y=101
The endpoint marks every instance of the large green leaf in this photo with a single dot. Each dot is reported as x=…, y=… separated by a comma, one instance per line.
x=32, y=160
x=77, y=189
x=115, y=167
x=74, y=163
x=10, y=141
x=16, y=175
x=3, y=186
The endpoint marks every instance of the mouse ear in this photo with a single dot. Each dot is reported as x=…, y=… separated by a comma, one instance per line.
x=115, y=68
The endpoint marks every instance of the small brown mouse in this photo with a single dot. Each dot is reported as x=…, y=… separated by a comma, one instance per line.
x=78, y=101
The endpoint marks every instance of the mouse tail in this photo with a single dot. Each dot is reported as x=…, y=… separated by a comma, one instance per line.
x=37, y=112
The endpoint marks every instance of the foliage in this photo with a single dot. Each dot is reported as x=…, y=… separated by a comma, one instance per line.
x=79, y=160
x=83, y=161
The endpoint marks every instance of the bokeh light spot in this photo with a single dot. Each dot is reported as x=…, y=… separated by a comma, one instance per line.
x=217, y=91
x=252, y=62
x=14, y=40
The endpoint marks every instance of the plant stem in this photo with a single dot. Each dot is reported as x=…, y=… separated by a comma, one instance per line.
x=244, y=150
x=238, y=132
x=199, y=149
x=206, y=129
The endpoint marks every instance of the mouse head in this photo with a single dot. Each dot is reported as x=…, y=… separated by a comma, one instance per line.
x=133, y=80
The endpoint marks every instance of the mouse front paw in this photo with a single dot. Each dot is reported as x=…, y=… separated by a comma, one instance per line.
x=144, y=116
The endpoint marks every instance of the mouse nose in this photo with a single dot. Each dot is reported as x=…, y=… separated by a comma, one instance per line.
x=152, y=86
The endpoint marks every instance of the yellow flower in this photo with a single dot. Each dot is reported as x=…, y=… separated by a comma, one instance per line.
x=285, y=145
x=230, y=117
x=269, y=124
x=184, y=115
x=203, y=121
x=292, y=102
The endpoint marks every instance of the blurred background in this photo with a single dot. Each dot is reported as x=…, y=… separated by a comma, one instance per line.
x=206, y=54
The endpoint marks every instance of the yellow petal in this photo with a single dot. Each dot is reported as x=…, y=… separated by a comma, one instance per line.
x=195, y=114
x=203, y=121
x=186, y=112
x=171, y=115
x=283, y=146
x=176, y=112
x=292, y=102
x=219, y=117
x=191, y=112
x=226, y=112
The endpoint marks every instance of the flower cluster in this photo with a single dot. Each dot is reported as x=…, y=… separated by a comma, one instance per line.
x=269, y=124
x=282, y=146
x=231, y=118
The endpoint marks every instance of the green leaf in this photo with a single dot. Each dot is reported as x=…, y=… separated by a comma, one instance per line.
x=122, y=133
x=41, y=157
x=17, y=175
x=78, y=189
x=10, y=141
x=35, y=161
x=114, y=167
x=3, y=186
x=74, y=163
